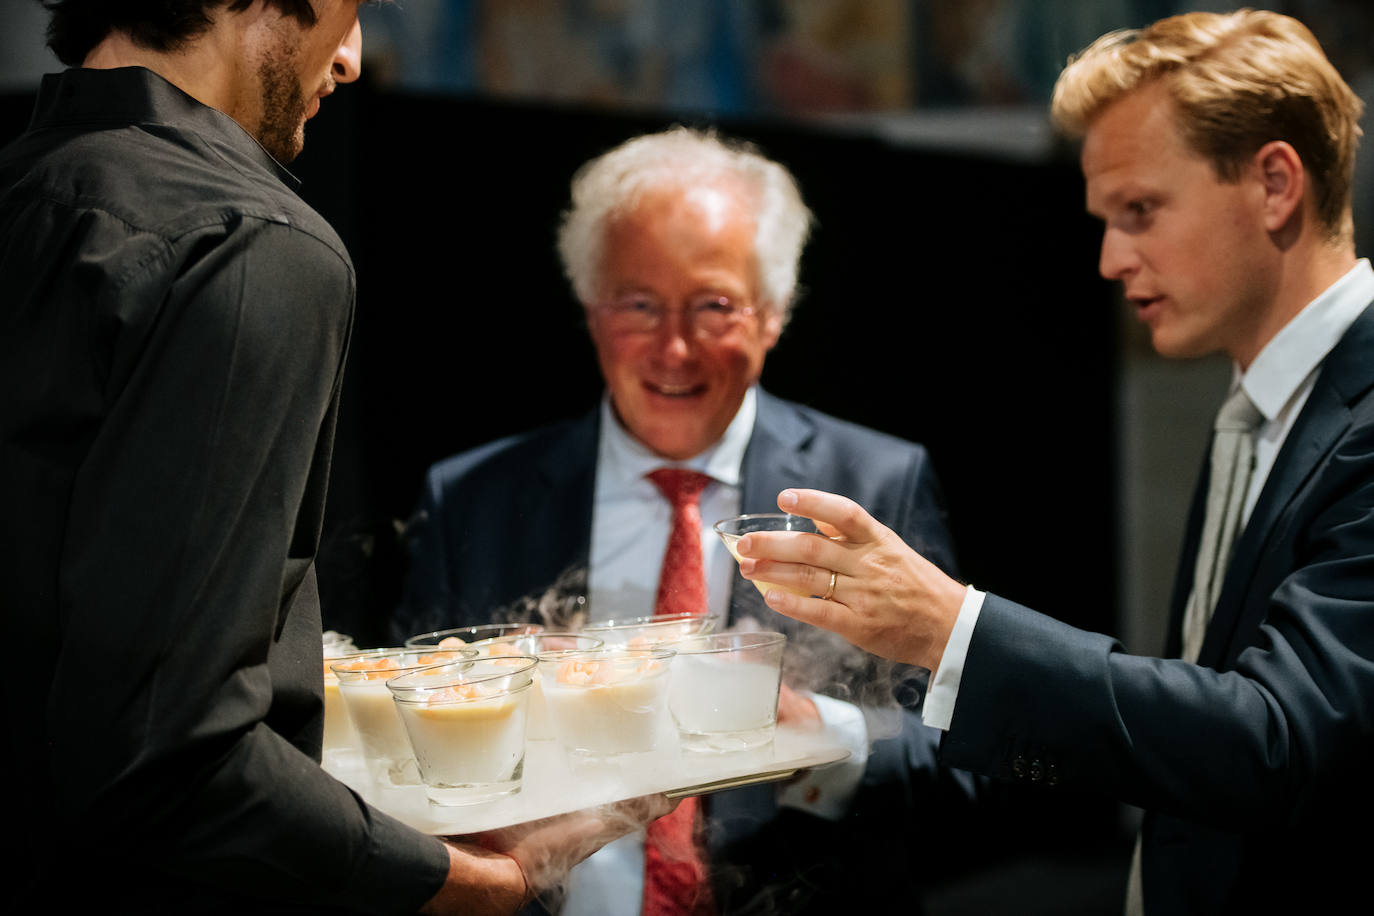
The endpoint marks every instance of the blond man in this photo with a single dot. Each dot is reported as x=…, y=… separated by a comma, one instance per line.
x=1218, y=152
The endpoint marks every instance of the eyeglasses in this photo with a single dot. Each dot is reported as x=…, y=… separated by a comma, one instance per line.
x=707, y=315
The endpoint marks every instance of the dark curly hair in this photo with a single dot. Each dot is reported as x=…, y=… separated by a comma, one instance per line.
x=77, y=26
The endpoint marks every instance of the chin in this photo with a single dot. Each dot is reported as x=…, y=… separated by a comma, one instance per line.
x=674, y=448
x=1174, y=348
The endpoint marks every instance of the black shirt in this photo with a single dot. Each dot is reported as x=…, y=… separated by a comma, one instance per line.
x=173, y=324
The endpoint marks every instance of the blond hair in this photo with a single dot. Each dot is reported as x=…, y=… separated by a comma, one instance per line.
x=1238, y=81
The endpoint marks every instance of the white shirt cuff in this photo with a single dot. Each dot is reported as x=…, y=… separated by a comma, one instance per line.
x=938, y=709
x=827, y=792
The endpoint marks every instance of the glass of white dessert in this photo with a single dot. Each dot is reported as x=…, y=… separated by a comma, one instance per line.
x=461, y=636
x=340, y=738
x=643, y=632
x=362, y=684
x=466, y=723
x=338, y=731
x=606, y=702
x=724, y=691
x=732, y=529
x=538, y=728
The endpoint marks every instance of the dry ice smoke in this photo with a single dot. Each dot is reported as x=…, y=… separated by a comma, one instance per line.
x=547, y=849
x=561, y=608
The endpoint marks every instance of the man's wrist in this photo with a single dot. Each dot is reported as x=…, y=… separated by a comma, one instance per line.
x=480, y=881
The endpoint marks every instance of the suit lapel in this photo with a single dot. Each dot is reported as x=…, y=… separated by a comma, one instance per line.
x=556, y=515
x=1346, y=373
x=776, y=456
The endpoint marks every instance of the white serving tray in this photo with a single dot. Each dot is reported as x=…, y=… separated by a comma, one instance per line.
x=554, y=784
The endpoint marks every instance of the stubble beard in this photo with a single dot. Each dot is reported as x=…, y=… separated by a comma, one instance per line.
x=284, y=105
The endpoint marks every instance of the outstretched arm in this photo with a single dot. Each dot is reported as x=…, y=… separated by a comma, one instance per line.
x=886, y=598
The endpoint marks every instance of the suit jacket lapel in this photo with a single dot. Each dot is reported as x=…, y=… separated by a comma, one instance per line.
x=776, y=456
x=556, y=516
x=1345, y=374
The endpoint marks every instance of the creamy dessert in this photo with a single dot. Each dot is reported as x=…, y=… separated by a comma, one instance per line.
x=466, y=740
x=466, y=725
x=607, y=702
x=338, y=730
x=362, y=685
x=537, y=725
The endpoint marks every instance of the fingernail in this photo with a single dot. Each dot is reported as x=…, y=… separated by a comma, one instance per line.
x=787, y=499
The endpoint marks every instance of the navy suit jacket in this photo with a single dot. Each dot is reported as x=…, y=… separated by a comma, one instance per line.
x=1255, y=766
x=503, y=532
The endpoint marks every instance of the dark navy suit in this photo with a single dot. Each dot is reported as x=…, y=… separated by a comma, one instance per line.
x=1256, y=767
x=498, y=526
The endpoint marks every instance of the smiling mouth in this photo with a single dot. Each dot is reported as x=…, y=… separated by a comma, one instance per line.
x=674, y=391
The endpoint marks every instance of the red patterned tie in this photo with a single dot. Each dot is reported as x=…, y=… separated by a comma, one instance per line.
x=674, y=869
x=682, y=579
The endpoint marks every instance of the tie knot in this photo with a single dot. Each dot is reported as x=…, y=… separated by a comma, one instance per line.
x=1239, y=413
x=680, y=485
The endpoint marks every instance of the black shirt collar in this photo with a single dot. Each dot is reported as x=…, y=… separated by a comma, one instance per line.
x=136, y=95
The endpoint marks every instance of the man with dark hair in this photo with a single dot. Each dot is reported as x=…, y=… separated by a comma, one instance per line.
x=174, y=324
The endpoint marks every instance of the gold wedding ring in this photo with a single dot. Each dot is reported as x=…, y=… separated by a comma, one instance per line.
x=830, y=592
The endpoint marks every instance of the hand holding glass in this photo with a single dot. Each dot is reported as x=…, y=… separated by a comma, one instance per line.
x=732, y=529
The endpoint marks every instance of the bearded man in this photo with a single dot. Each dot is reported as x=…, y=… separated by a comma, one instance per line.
x=174, y=325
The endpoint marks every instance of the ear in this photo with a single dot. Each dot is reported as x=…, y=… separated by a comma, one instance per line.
x=772, y=328
x=1281, y=174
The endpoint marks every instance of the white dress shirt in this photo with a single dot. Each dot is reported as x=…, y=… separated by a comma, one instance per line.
x=631, y=521
x=1278, y=382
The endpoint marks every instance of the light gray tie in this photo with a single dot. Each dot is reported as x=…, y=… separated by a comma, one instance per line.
x=1233, y=462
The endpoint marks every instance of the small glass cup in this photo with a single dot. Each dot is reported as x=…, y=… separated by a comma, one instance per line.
x=339, y=735
x=732, y=529
x=538, y=727
x=643, y=632
x=724, y=691
x=606, y=702
x=461, y=636
x=362, y=684
x=466, y=722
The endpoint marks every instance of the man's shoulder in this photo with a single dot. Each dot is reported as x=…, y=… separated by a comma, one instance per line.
x=817, y=428
x=555, y=444
x=160, y=181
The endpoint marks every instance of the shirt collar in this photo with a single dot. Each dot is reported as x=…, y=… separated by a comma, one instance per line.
x=1285, y=363
x=137, y=95
x=623, y=460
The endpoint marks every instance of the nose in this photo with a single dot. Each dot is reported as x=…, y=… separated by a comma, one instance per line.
x=1117, y=258
x=348, y=58
x=675, y=337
